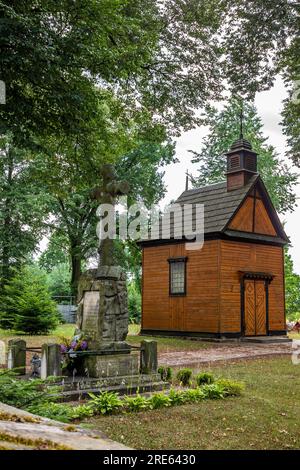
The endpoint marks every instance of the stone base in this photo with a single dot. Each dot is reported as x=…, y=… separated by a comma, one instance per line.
x=111, y=365
x=80, y=387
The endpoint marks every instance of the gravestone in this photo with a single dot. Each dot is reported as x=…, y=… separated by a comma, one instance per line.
x=17, y=355
x=148, y=357
x=51, y=361
x=2, y=353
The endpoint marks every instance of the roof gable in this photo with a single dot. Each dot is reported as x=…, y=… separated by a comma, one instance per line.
x=257, y=214
x=223, y=208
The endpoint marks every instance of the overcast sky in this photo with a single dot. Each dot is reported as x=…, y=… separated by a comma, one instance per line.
x=269, y=106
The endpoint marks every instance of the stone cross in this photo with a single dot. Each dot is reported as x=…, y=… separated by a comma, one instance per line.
x=107, y=194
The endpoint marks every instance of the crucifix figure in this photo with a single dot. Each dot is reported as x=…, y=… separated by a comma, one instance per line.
x=107, y=194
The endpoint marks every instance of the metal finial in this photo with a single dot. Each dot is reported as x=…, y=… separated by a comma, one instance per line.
x=186, y=181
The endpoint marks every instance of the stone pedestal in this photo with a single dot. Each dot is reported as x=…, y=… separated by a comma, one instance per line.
x=17, y=355
x=112, y=365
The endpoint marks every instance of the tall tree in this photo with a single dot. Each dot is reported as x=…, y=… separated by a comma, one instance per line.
x=292, y=289
x=223, y=131
x=75, y=173
x=23, y=205
x=261, y=40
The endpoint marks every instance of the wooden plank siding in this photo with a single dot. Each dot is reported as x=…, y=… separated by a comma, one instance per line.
x=198, y=310
x=235, y=257
x=253, y=217
x=212, y=303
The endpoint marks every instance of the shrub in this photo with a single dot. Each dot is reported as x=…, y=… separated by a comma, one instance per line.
x=177, y=397
x=184, y=376
x=165, y=373
x=105, y=402
x=213, y=391
x=134, y=303
x=204, y=378
x=159, y=400
x=57, y=411
x=59, y=280
x=27, y=306
x=194, y=395
x=82, y=411
x=231, y=387
x=137, y=403
x=24, y=393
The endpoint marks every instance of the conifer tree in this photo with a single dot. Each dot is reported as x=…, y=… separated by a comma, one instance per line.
x=224, y=129
x=26, y=305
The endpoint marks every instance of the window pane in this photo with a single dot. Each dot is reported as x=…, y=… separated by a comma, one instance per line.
x=177, y=277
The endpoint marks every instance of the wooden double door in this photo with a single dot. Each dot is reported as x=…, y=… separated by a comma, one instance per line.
x=255, y=307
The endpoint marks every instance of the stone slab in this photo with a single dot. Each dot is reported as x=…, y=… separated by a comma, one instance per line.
x=112, y=365
x=33, y=431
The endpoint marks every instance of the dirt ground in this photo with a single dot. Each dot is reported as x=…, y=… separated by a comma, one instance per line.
x=224, y=352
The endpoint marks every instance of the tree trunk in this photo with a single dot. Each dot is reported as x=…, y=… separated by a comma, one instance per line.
x=76, y=272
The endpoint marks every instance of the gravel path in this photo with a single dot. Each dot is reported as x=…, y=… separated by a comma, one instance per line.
x=223, y=352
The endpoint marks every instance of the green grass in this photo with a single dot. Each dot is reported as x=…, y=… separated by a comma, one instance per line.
x=67, y=330
x=267, y=416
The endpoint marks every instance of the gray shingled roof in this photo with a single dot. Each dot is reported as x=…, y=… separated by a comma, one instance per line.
x=219, y=204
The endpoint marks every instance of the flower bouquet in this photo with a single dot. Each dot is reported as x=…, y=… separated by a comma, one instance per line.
x=69, y=348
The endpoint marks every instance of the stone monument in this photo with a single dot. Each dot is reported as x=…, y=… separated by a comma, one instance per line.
x=102, y=316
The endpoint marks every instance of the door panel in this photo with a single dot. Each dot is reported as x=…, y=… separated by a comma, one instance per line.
x=260, y=296
x=249, y=308
x=255, y=311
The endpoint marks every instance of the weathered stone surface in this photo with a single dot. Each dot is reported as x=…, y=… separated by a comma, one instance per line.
x=51, y=361
x=31, y=431
x=17, y=355
x=112, y=365
x=148, y=357
x=108, y=272
x=102, y=314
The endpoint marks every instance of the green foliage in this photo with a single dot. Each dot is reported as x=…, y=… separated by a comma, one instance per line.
x=134, y=303
x=26, y=303
x=56, y=253
x=223, y=131
x=105, y=402
x=292, y=289
x=204, y=378
x=184, y=376
x=177, y=397
x=166, y=373
x=213, y=391
x=23, y=205
x=59, y=280
x=82, y=411
x=231, y=387
x=194, y=395
x=136, y=403
x=56, y=411
x=25, y=393
x=159, y=400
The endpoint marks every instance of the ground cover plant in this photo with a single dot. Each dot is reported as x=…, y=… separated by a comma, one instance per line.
x=265, y=416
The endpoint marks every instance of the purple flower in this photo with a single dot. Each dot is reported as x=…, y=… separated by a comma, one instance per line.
x=63, y=348
x=84, y=345
x=73, y=345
